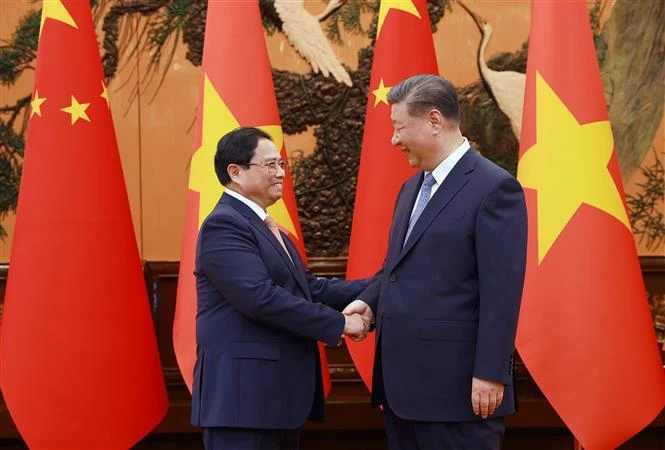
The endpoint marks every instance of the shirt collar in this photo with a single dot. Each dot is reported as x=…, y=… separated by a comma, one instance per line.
x=252, y=205
x=441, y=171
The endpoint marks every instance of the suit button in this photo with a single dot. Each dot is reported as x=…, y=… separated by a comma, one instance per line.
x=393, y=277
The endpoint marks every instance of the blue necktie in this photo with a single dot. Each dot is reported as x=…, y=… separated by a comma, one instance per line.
x=423, y=198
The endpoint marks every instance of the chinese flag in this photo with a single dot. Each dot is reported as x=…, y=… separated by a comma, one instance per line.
x=585, y=332
x=403, y=29
x=79, y=363
x=236, y=90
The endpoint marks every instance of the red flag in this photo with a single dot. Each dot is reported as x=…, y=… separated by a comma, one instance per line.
x=585, y=332
x=79, y=362
x=236, y=90
x=403, y=29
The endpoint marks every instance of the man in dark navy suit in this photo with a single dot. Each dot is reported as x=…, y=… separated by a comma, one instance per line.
x=447, y=299
x=260, y=311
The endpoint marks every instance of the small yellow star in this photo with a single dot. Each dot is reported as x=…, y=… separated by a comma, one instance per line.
x=386, y=5
x=77, y=110
x=105, y=94
x=567, y=166
x=36, y=104
x=381, y=93
x=54, y=9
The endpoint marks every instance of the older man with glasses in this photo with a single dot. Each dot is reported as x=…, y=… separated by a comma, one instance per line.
x=260, y=311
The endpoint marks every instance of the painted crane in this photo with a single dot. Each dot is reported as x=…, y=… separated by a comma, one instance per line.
x=306, y=36
x=507, y=86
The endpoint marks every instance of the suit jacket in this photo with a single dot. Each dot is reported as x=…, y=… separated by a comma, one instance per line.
x=446, y=302
x=258, y=319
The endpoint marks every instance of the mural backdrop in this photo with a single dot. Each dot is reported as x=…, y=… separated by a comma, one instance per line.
x=152, y=52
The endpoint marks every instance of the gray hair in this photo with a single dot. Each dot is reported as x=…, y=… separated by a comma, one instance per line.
x=424, y=92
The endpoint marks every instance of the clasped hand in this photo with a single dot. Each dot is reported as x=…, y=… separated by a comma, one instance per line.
x=358, y=318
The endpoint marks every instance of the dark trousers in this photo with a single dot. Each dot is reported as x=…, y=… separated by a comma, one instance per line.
x=412, y=435
x=224, y=438
x=406, y=434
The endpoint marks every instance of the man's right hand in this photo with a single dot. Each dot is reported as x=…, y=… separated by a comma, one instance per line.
x=360, y=307
x=355, y=326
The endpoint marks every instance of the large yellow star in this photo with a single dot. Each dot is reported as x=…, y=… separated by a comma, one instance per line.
x=105, y=95
x=54, y=9
x=386, y=5
x=381, y=93
x=568, y=167
x=36, y=104
x=77, y=110
x=217, y=120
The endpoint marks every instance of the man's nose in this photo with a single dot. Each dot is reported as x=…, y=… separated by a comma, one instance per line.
x=395, y=139
x=281, y=172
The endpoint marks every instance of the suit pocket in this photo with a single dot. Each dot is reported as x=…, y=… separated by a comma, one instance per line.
x=449, y=330
x=253, y=350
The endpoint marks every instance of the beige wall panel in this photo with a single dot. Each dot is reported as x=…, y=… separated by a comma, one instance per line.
x=126, y=122
x=167, y=136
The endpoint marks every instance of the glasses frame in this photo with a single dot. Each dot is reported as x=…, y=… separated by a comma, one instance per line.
x=270, y=166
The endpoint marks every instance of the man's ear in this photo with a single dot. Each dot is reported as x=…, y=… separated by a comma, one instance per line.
x=234, y=171
x=435, y=119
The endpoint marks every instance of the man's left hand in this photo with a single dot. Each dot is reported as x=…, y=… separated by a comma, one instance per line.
x=486, y=396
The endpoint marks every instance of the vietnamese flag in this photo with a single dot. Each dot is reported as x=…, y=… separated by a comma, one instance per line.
x=585, y=332
x=79, y=366
x=236, y=90
x=403, y=48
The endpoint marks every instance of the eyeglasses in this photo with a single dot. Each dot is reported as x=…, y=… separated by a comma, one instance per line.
x=270, y=166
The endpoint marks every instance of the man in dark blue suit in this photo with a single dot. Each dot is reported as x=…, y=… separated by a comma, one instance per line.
x=447, y=298
x=260, y=311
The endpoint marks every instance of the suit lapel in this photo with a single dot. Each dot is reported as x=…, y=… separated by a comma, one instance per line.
x=452, y=184
x=256, y=221
x=299, y=265
x=403, y=210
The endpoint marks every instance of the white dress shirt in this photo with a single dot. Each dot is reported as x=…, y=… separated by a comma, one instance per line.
x=441, y=171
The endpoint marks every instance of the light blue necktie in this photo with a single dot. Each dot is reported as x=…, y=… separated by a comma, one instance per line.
x=423, y=198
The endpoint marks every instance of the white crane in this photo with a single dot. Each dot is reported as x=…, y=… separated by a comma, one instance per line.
x=304, y=32
x=507, y=86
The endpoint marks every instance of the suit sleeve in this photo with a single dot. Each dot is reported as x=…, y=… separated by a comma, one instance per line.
x=371, y=294
x=230, y=259
x=334, y=292
x=501, y=235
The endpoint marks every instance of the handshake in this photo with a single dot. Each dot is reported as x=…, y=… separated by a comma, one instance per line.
x=358, y=317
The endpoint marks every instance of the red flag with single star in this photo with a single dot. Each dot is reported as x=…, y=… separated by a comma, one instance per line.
x=403, y=29
x=236, y=90
x=585, y=332
x=79, y=362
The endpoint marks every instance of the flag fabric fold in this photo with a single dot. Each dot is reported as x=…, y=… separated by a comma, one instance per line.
x=236, y=90
x=79, y=365
x=585, y=333
x=403, y=29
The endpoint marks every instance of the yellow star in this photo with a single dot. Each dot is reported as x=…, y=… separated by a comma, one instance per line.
x=381, y=93
x=36, y=104
x=218, y=120
x=77, y=110
x=54, y=9
x=386, y=5
x=568, y=167
x=105, y=95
